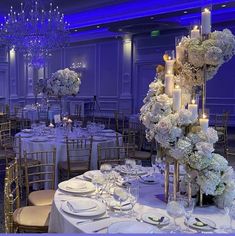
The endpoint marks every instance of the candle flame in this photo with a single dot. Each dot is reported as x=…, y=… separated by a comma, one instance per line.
x=206, y=10
x=169, y=58
x=204, y=116
x=193, y=101
x=177, y=86
x=195, y=27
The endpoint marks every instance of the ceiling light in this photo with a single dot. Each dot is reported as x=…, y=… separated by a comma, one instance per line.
x=97, y=26
x=224, y=5
x=185, y=12
x=151, y=18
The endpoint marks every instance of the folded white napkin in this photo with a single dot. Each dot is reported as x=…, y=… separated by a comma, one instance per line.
x=79, y=206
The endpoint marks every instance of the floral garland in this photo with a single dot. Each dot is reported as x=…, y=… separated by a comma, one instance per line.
x=178, y=132
x=63, y=83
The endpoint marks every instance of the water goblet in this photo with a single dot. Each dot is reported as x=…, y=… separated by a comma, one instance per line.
x=120, y=195
x=98, y=180
x=188, y=205
x=232, y=217
x=133, y=197
x=175, y=210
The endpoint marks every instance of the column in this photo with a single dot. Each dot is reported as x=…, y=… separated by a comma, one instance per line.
x=13, y=83
x=125, y=103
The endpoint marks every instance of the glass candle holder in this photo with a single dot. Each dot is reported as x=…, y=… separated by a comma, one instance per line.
x=206, y=19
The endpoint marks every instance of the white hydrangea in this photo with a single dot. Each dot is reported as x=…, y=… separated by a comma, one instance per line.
x=208, y=182
x=218, y=163
x=205, y=149
x=184, y=117
x=197, y=161
x=62, y=83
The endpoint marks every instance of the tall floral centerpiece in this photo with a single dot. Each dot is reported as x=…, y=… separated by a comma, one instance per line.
x=63, y=83
x=170, y=111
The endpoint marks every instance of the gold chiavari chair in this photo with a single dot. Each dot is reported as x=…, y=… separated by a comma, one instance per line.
x=5, y=135
x=143, y=148
x=41, y=175
x=103, y=120
x=221, y=126
x=78, y=157
x=30, y=219
x=113, y=155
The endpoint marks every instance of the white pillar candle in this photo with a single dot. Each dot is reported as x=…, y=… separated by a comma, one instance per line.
x=194, y=109
x=170, y=65
x=51, y=125
x=169, y=84
x=177, y=98
x=204, y=123
x=180, y=51
x=206, y=21
x=195, y=33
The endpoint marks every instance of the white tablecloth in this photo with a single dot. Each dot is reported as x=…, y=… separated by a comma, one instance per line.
x=31, y=146
x=61, y=222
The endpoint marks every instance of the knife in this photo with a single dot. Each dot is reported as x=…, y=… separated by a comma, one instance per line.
x=204, y=224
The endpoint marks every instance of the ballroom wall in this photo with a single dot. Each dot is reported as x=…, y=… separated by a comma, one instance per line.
x=117, y=71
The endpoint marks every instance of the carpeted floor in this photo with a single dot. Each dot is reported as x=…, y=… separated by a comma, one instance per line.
x=231, y=160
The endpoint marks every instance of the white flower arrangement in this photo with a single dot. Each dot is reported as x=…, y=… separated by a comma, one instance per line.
x=172, y=130
x=63, y=83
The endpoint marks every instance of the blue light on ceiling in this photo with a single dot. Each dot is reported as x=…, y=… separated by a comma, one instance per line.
x=130, y=10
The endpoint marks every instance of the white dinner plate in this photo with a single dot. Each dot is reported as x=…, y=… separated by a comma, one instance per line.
x=26, y=131
x=129, y=227
x=193, y=223
x=77, y=186
x=90, y=174
x=148, y=180
x=109, y=135
x=107, y=131
x=99, y=139
x=39, y=139
x=155, y=219
x=26, y=135
x=137, y=170
x=99, y=208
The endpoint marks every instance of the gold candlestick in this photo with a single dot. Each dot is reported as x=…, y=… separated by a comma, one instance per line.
x=201, y=198
x=167, y=168
x=175, y=180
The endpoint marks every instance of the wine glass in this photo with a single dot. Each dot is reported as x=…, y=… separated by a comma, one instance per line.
x=133, y=197
x=232, y=217
x=120, y=195
x=188, y=205
x=175, y=209
x=98, y=181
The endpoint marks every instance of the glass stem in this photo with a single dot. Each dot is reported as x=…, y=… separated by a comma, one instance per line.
x=231, y=221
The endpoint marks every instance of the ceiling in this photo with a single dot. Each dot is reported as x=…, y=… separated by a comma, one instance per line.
x=91, y=19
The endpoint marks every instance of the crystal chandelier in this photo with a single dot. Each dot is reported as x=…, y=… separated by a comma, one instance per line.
x=35, y=31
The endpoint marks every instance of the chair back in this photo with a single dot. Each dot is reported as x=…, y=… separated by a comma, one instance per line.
x=5, y=132
x=11, y=196
x=78, y=150
x=103, y=120
x=119, y=121
x=40, y=169
x=221, y=120
x=112, y=155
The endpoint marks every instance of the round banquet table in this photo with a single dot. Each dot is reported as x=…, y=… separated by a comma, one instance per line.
x=61, y=222
x=29, y=145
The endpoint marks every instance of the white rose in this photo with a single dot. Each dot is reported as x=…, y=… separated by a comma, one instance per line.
x=205, y=149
